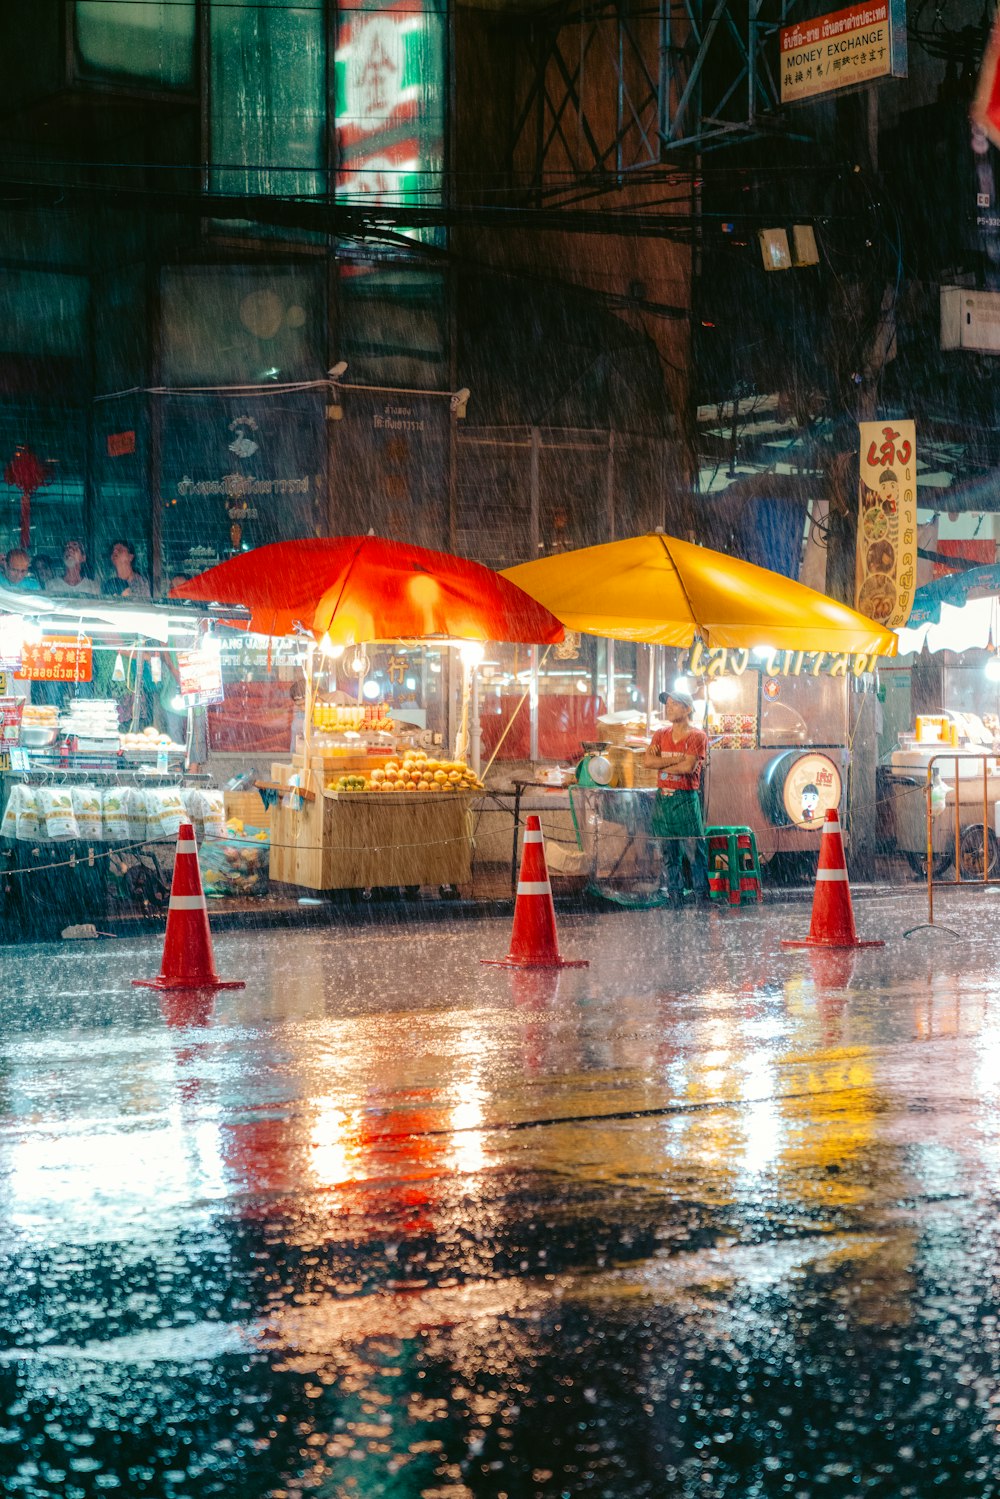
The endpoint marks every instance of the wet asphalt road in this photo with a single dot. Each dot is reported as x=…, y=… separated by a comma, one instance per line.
x=707, y=1218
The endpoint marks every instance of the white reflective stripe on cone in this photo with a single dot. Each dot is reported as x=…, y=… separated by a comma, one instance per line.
x=186, y=846
x=831, y=874
x=188, y=903
x=534, y=835
x=534, y=887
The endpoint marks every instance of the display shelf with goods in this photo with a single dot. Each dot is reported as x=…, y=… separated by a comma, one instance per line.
x=93, y=783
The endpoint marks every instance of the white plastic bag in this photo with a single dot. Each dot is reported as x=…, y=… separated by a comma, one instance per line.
x=114, y=815
x=55, y=808
x=164, y=812
x=28, y=830
x=87, y=810
x=214, y=803
x=135, y=813
x=8, y=827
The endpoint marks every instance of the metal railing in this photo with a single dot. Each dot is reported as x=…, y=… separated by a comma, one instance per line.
x=960, y=829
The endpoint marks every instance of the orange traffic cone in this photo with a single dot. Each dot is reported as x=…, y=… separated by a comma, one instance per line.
x=533, y=942
x=187, y=948
x=832, y=922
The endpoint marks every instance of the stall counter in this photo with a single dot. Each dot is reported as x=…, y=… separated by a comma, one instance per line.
x=352, y=840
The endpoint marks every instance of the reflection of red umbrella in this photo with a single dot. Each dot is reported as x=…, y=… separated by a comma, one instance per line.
x=363, y=588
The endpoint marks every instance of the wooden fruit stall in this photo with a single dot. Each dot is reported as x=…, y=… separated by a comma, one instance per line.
x=339, y=839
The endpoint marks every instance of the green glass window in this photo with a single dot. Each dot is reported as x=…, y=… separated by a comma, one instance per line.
x=42, y=312
x=152, y=43
x=267, y=105
x=235, y=325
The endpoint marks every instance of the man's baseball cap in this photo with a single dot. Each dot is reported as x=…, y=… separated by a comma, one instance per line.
x=677, y=696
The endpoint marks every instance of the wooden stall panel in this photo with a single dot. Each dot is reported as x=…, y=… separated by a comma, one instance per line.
x=354, y=840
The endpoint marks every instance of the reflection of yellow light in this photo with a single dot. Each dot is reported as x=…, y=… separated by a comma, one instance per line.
x=466, y=1149
x=762, y=1123
x=333, y=1137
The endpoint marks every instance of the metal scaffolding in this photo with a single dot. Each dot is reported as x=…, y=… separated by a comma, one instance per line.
x=620, y=88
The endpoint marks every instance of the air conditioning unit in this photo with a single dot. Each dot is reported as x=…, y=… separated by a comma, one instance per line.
x=970, y=319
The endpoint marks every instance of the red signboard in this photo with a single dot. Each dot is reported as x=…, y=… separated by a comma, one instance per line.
x=120, y=443
x=58, y=658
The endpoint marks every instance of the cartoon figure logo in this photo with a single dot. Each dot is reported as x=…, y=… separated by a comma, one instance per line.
x=810, y=802
x=888, y=488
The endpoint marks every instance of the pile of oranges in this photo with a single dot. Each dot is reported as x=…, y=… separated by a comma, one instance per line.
x=417, y=772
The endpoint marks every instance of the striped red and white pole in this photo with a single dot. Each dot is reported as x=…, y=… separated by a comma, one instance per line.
x=188, y=962
x=533, y=941
x=832, y=922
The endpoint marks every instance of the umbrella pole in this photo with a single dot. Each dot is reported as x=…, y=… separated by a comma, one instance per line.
x=307, y=726
x=533, y=708
x=477, y=737
x=462, y=737
x=650, y=687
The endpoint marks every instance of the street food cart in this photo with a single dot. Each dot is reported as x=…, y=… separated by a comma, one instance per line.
x=777, y=669
x=942, y=726
x=369, y=797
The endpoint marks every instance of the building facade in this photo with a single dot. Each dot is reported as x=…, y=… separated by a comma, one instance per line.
x=208, y=210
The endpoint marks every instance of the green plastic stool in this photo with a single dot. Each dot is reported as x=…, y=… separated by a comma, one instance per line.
x=733, y=866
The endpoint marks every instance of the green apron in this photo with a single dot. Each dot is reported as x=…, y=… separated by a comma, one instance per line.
x=677, y=814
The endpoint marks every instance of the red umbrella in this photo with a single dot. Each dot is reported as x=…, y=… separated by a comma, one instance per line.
x=358, y=589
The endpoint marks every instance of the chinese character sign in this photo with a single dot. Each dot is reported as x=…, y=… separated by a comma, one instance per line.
x=843, y=49
x=886, y=565
x=390, y=84
x=57, y=658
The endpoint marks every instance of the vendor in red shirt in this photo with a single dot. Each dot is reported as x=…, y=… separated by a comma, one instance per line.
x=678, y=754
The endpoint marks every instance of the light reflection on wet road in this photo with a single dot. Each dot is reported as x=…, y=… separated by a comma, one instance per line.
x=707, y=1218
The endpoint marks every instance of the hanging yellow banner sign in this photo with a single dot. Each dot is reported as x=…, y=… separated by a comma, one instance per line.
x=886, y=566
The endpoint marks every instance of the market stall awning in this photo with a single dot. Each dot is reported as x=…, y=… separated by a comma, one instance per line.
x=658, y=590
x=150, y=621
x=954, y=589
x=359, y=589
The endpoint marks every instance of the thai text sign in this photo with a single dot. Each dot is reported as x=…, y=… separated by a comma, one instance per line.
x=885, y=572
x=721, y=661
x=841, y=50
x=57, y=658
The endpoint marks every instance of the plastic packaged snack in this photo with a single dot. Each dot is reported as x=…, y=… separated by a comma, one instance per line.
x=135, y=813
x=164, y=811
x=87, y=810
x=114, y=815
x=8, y=827
x=55, y=812
x=27, y=825
x=214, y=803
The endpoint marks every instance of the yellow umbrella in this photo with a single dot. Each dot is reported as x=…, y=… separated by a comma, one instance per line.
x=658, y=590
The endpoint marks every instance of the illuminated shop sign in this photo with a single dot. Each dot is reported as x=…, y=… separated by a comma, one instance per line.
x=59, y=658
x=724, y=662
x=843, y=49
x=390, y=103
